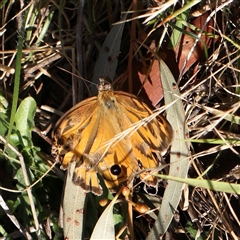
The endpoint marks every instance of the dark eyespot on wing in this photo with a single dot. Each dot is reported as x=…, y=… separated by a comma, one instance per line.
x=116, y=169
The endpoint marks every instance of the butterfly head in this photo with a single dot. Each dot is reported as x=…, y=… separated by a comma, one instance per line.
x=104, y=85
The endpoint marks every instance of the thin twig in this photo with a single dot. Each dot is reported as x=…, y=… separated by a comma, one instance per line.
x=26, y=179
x=4, y=206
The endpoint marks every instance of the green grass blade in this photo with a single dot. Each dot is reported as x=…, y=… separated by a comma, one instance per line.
x=205, y=183
x=17, y=77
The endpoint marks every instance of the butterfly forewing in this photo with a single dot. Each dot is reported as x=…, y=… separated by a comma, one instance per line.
x=82, y=133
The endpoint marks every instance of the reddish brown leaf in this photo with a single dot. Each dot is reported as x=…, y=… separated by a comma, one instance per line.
x=187, y=42
x=149, y=77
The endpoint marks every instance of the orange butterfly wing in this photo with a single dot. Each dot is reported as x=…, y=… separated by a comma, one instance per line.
x=81, y=135
x=72, y=139
x=154, y=136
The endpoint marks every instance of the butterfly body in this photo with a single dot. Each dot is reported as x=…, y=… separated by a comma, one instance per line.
x=84, y=134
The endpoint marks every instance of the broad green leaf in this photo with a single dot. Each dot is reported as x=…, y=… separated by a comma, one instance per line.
x=108, y=56
x=24, y=119
x=104, y=228
x=4, y=124
x=21, y=180
x=73, y=207
x=179, y=162
x=3, y=104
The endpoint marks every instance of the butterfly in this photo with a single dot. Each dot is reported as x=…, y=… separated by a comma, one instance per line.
x=81, y=134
